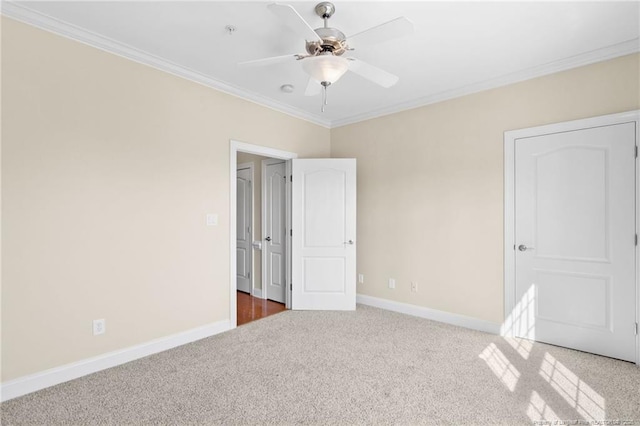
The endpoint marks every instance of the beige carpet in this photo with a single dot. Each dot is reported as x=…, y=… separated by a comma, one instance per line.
x=365, y=367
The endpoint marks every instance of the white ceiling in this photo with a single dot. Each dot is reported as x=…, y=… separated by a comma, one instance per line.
x=458, y=47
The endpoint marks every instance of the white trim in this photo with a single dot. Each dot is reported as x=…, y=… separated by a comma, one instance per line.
x=509, y=237
x=44, y=379
x=431, y=314
x=263, y=224
x=510, y=138
x=637, y=113
x=289, y=238
x=234, y=147
x=257, y=292
x=244, y=166
x=40, y=20
x=45, y=22
x=251, y=255
x=621, y=49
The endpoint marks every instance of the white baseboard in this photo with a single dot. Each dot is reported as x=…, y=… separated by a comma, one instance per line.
x=432, y=314
x=33, y=382
x=257, y=293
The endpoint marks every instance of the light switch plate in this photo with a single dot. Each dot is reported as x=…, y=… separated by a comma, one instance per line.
x=99, y=326
x=212, y=219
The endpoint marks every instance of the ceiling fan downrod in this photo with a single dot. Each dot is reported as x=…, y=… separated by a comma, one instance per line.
x=325, y=10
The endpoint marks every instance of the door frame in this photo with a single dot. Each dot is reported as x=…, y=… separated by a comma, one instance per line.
x=234, y=147
x=263, y=165
x=510, y=138
x=251, y=171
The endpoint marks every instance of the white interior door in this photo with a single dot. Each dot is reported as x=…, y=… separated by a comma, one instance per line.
x=243, y=229
x=274, y=230
x=324, y=232
x=574, y=234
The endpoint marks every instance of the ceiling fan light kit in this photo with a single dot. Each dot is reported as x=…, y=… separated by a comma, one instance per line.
x=326, y=68
x=324, y=46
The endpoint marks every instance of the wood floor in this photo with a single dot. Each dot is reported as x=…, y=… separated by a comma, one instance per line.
x=253, y=308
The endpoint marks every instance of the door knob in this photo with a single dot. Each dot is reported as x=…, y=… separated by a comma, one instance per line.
x=268, y=238
x=522, y=247
x=348, y=242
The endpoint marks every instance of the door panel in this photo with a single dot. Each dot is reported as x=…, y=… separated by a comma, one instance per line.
x=324, y=230
x=575, y=221
x=243, y=230
x=568, y=183
x=275, y=231
x=324, y=201
x=556, y=292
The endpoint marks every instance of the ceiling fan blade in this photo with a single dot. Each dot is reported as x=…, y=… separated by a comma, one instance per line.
x=313, y=88
x=396, y=28
x=294, y=21
x=268, y=61
x=371, y=73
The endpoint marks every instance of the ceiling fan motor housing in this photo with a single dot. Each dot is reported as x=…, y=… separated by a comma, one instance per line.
x=333, y=40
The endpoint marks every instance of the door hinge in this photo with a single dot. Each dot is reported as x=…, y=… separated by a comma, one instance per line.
x=291, y=232
x=636, y=329
x=291, y=286
x=636, y=239
x=248, y=274
x=290, y=178
x=636, y=151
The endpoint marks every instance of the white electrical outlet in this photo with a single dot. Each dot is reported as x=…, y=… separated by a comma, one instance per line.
x=392, y=283
x=360, y=278
x=414, y=286
x=99, y=326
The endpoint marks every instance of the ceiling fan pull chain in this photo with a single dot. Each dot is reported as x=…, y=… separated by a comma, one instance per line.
x=324, y=97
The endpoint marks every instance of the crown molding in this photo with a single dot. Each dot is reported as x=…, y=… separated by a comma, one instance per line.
x=23, y=14
x=625, y=48
x=45, y=22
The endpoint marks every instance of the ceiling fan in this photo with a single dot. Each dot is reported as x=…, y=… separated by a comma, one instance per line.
x=325, y=47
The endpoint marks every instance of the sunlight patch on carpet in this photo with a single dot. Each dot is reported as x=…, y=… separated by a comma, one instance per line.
x=538, y=410
x=522, y=346
x=579, y=395
x=500, y=366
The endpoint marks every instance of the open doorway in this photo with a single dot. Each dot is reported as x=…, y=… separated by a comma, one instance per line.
x=319, y=230
x=261, y=241
x=259, y=224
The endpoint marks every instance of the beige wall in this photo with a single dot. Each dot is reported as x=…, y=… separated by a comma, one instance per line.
x=109, y=167
x=108, y=170
x=430, y=183
x=244, y=157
